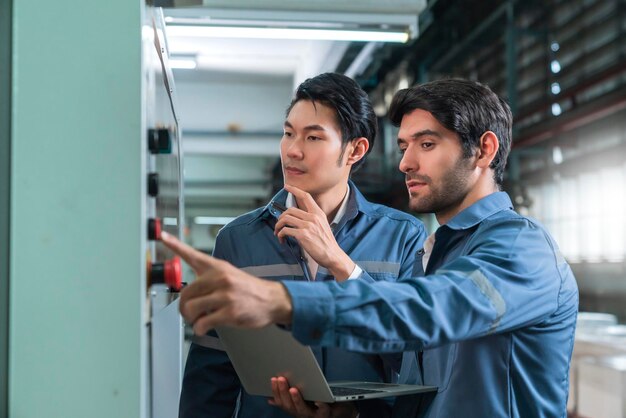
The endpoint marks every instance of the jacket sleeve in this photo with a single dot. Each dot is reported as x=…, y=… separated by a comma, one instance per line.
x=210, y=385
x=511, y=276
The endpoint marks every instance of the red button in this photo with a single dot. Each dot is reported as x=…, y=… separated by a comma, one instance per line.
x=173, y=273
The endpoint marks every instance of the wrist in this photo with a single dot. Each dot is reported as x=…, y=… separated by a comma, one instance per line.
x=281, y=305
x=342, y=268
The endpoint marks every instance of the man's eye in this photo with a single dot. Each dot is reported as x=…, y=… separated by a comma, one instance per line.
x=314, y=138
x=287, y=134
x=427, y=145
x=401, y=151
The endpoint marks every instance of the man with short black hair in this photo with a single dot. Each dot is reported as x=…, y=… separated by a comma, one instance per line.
x=318, y=228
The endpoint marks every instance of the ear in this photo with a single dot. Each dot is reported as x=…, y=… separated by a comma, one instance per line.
x=489, y=145
x=356, y=150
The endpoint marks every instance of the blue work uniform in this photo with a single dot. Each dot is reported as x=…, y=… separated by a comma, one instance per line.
x=382, y=241
x=491, y=322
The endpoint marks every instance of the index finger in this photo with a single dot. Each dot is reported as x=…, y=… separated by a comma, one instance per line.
x=197, y=260
x=304, y=198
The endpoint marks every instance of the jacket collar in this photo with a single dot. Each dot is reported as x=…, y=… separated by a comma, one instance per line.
x=481, y=210
x=356, y=203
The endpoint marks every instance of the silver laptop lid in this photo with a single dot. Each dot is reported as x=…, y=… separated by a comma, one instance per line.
x=260, y=354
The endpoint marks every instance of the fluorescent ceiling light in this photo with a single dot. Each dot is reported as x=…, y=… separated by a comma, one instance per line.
x=286, y=33
x=212, y=220
x=187, y=64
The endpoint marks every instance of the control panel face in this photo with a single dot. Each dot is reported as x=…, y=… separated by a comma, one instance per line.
x=163, y=212
x=164, y=175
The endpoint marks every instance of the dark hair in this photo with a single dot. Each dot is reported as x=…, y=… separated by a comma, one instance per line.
x=465, y=107
x=353, y=109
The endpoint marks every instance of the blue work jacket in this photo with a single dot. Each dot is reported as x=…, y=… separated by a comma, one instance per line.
x=384, y=243
x=491, y=322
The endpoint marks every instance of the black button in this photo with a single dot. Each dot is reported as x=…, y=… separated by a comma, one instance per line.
x=154, y=229
x=159, y=141
x=153, y=184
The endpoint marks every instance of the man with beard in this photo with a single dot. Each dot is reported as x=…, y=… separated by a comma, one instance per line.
x=490, y=314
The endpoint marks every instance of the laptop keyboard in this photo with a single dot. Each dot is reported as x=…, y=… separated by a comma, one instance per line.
x=343, y=391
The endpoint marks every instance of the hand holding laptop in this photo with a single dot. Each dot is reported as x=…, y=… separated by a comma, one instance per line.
x=223, y=295
x=290, y=400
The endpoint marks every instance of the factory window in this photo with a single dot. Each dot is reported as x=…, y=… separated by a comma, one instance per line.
x=585, y=213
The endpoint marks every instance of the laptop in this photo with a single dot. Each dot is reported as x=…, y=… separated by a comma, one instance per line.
x=260, y=354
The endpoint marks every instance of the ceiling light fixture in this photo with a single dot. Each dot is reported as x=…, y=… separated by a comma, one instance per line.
x=351, y=35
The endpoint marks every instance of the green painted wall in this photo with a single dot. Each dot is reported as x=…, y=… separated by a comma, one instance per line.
x=77, y=340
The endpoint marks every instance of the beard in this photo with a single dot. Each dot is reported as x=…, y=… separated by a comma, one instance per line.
x=443, y=197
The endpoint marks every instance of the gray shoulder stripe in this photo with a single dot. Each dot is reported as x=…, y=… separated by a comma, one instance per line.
x=273, y=270
x=486, y=287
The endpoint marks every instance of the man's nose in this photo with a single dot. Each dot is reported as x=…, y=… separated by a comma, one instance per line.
x=295, y=149
x=408, y=163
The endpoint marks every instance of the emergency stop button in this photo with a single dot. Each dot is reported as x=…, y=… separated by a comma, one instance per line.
x=169, y=272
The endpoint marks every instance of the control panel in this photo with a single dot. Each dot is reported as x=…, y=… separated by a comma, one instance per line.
x=163, y=212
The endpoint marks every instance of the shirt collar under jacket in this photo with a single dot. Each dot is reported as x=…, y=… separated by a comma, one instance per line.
x=481, y=210
x=355, y=203
x=291, y=202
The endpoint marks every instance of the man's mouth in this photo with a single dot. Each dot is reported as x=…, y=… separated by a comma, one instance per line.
x=294, y=170
x=415, y=185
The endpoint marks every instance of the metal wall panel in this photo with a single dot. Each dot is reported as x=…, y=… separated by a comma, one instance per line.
x=78, y=336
